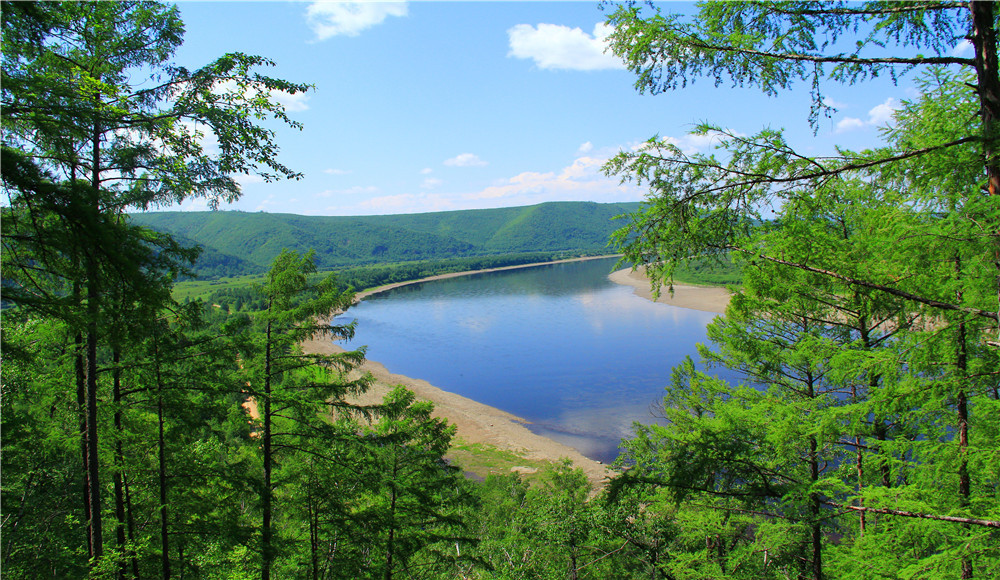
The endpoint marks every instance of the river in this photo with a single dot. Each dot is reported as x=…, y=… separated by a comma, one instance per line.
x=578, y=356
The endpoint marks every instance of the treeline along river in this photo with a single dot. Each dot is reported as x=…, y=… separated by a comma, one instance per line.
x=559, y=345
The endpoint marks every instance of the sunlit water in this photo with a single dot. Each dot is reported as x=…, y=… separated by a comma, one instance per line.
x=577, y=355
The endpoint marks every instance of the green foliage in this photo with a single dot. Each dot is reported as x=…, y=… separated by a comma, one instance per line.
x=864, y=326
x=252, y=240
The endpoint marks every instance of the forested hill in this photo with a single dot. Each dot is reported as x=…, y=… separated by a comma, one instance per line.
x=239, y=242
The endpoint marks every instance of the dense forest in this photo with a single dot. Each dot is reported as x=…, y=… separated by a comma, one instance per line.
x=245, y=243
x=145, y=437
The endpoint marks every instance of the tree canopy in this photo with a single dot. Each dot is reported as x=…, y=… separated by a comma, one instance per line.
x=865, y=326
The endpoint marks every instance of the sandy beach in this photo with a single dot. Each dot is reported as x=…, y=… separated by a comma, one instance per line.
x=479, y=423
x=704, y=298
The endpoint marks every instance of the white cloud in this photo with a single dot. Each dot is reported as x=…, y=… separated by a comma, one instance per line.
x=882, y=114
x=292, y=103
x=554, y=46
x=426, y=171
x=333, y=171
x=193, y=204
x=581, y=180
x=690, y=143
x=878, y=116
x=204, y=134
x=328, y=19
x=849, y=124
x=833, y=104
x=393, y=204
x=430, y=183
x=465, y=160
x=586, y=147
x=963, y=49
x=356, y=190
x=245, y=179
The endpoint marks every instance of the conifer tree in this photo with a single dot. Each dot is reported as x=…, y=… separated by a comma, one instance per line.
x=97, y=122
x=872, y=286
x=295, y=394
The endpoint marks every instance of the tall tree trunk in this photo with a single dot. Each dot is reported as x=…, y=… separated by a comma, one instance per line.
x=817, y=531
x=984, y=42
x=93, y=450
x=130, y=520
x=92, y=271
x=116, y=474
x=265, y=543
x=81, y=401
x=814, y=499
x=390, y=544
x=312, y=511
x=162, y=468
x=962, y=411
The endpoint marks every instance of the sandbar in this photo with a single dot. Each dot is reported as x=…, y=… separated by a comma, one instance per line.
x=704, y=298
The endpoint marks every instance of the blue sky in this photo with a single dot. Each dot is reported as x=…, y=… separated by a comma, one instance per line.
x=431, y=106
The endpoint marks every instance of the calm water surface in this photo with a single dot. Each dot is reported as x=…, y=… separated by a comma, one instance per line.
x=560, y=345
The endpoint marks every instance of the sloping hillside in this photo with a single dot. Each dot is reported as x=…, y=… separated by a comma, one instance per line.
x=251, y=240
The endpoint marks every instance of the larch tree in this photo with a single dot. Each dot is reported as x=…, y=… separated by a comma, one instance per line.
x=877, y=271
x=296, y=394
x=98, y=122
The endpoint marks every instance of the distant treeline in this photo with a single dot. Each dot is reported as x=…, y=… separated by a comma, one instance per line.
x=246, y=297
x=239, y=243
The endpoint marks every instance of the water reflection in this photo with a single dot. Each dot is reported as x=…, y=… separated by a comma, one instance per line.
x=578, y=356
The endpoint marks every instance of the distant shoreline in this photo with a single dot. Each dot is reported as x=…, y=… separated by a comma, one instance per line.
x=479, y=423
x=378, y=290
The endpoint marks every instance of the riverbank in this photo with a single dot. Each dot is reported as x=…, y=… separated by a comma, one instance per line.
x=474, y=421
x=365, y=294
x=704, y=298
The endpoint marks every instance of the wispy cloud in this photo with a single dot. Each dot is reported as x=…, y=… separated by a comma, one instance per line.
x=465, y=160
x=553, y=46
x=878, y=116
x=963, y=49
x=350, y=191
x=582, y=179
x=329, y=19
x=849, y=124
x=690, y=143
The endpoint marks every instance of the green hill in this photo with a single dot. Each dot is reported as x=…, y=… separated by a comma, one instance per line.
x=239, y=242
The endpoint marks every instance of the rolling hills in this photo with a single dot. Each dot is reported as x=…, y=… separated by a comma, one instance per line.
x=236, y=242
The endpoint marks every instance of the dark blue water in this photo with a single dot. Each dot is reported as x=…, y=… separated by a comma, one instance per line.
x=577, y=355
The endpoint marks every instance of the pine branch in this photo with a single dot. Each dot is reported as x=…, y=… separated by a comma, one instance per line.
x=906, y=514
x=864, y=283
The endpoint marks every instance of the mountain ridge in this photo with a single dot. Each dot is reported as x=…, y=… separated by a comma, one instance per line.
x=250, y=241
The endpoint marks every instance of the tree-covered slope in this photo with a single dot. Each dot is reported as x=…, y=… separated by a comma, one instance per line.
x=256, y=238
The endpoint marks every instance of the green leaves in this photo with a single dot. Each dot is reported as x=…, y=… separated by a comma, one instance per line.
x=869, y=289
